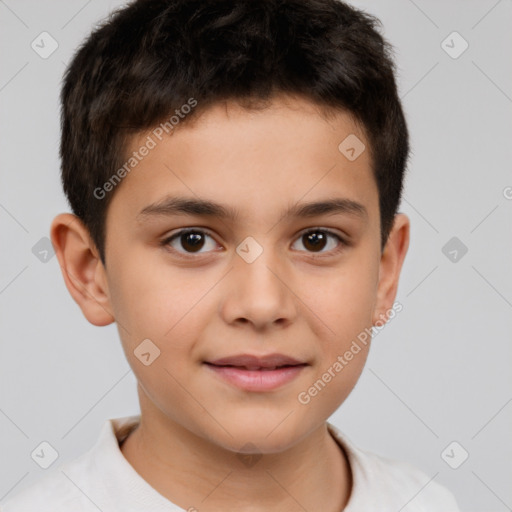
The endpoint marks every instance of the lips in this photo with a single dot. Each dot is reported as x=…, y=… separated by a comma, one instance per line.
x=257, y=374
x=250, y=362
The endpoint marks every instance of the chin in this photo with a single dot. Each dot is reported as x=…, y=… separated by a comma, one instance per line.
x=259, y=433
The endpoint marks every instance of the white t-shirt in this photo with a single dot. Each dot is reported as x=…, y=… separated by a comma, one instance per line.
x=103, y=480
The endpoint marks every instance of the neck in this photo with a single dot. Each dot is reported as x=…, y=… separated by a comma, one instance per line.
x=312, y=475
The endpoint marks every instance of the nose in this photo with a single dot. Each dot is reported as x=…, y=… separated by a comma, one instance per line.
x=259, y=292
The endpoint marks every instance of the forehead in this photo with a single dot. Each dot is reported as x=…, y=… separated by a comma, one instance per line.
x=251, y=161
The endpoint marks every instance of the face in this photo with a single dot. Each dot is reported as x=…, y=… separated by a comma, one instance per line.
x=261, y=280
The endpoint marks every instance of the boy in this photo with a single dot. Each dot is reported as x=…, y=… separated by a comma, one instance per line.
x=245, y=129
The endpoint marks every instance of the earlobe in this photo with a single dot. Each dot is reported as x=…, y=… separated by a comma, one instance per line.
x=82, y=269
x=391, y=262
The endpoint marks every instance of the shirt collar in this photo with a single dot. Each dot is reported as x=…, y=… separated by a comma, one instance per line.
x=117, y=473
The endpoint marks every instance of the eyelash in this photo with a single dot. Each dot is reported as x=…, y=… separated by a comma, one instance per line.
x=342, y=242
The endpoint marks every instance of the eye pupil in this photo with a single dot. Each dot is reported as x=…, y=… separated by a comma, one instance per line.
x=193, y=239
x=317, y=238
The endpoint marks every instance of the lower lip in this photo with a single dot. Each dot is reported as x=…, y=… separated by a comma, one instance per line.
x=257, y=380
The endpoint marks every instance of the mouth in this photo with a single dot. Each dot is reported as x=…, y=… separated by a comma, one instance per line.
x=257, y=374
x=256, y=368
x=254, y=362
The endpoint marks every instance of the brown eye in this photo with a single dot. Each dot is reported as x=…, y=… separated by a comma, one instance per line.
x=317, y=240
x=191, y=241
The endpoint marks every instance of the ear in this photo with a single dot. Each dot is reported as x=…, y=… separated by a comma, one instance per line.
x=391, y=262
x=82, y=269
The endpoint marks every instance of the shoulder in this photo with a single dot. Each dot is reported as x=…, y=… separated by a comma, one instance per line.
x=392, y=485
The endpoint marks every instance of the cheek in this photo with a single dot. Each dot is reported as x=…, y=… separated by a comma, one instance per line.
x=345, y=303
x=165, y=305
x=345, y=300
x=167, y=310
x=146, y=296
x=344, y=346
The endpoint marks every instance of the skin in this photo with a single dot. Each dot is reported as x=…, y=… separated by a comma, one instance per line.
x=214, y=304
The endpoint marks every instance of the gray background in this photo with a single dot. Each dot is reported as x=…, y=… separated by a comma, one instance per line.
x=439, y=372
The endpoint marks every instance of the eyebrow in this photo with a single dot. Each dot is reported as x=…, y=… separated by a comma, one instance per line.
x=171, y=206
